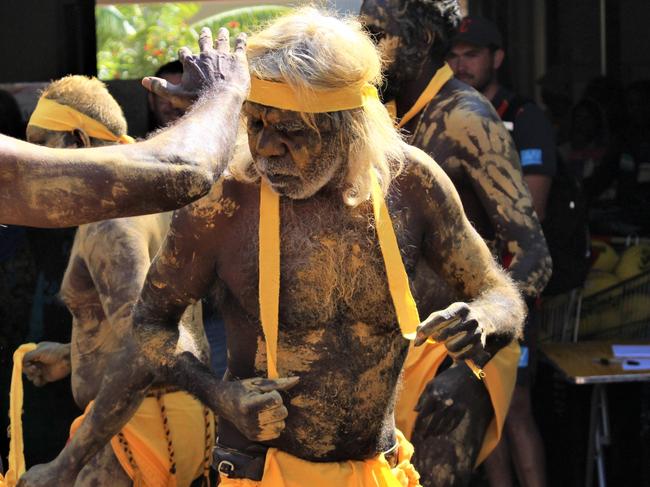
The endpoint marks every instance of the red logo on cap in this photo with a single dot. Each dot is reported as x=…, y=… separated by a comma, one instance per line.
x=464, y=25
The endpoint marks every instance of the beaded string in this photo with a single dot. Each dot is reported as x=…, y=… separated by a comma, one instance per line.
x=207, y=458
x=129, y=456
x=168, y=434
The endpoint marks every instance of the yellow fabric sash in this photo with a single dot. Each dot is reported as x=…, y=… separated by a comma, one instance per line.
x=16, y=465
x=443, y=75
x=282, y=469
x=145, y=457
x=283, y=96
x=269, y=278
x=51, y=115
x=269, y=272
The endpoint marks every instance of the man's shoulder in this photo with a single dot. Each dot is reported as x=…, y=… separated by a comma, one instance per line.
x=421, y=170
x=458, y=96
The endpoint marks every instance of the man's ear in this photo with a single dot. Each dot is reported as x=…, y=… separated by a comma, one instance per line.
x=430, y=41
x=81, y=138
x=497, y=59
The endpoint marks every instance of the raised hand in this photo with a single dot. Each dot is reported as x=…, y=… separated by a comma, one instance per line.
x=215, y=68
x=49, y=362
x=255, y=406
x=459, y=330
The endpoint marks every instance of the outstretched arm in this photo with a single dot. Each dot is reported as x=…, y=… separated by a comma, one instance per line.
x=65, y=187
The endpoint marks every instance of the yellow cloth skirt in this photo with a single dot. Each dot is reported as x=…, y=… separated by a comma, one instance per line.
x=145, y=436
x=284, y=470
x=422, y=365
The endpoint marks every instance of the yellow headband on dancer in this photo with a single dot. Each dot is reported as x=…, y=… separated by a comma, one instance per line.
x=283, y=96
x=51, y=115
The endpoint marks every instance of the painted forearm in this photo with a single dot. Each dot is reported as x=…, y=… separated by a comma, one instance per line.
x=47, y=187
x=530, y=266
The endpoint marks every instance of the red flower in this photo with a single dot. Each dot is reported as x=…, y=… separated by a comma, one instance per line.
x=157, y=52
x=233, y=24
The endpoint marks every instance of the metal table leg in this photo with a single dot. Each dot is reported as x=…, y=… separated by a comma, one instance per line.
x=598, y=436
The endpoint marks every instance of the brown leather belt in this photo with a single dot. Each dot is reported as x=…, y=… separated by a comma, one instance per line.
x=249, y=464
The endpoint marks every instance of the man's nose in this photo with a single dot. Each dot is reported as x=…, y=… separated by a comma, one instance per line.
x=269, y=143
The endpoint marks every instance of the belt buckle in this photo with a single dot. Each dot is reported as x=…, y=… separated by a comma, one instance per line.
x=225, y=467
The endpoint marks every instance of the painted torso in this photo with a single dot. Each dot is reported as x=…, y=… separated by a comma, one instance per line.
x=337, y=327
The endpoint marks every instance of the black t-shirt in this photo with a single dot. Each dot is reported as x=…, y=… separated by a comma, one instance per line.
x=531, y=131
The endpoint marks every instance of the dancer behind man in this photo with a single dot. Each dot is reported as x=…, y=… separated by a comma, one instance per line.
x=475, y=56
x=453, y=123
x=58, y=188
x=317, y=293
x=107, y=268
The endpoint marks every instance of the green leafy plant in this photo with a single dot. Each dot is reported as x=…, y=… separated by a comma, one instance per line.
x=245, y=19
x=134, y=40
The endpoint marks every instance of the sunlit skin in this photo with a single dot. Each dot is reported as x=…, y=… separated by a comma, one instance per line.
x=107, y=267
x=460, y=129
x=282, y=146
x=334, y=303
x=44, y=187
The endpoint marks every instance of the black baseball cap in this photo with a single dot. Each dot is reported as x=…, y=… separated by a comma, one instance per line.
x=478, y=31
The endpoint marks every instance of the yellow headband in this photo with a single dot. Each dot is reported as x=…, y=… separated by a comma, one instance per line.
x=282, y=96
x=51, y=115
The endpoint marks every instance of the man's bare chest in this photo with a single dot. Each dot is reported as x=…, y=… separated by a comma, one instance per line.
x=331, y=264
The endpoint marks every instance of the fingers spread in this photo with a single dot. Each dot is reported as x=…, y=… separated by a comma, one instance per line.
x=223, y=41
x=240, y=43
x=205, y=39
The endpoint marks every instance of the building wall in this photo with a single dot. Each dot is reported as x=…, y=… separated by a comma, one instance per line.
x=42, y=40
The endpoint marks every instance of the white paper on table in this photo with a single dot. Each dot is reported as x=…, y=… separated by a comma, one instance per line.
x=639, y=364
x=631, y=351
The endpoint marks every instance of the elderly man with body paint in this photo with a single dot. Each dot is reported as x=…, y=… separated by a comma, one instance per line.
x=311, y=242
